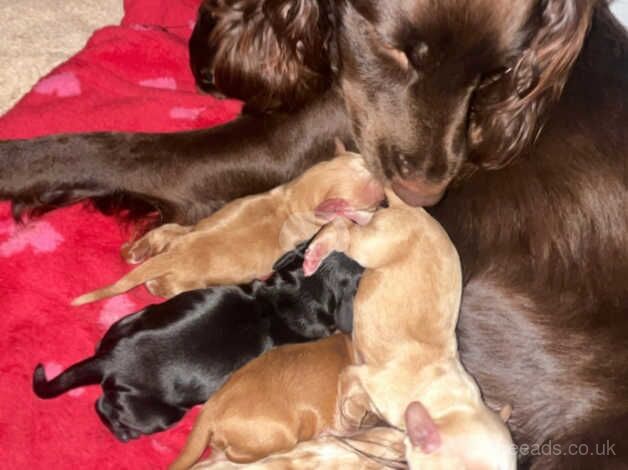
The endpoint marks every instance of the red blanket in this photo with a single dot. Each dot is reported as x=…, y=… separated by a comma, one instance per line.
x=132, y=77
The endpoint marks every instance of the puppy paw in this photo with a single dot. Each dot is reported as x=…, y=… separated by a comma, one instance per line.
x=163, y=287
x=136, y=252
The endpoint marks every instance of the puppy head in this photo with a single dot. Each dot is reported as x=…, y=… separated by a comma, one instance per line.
x=475, y=440
x=342, y=278
x=432, y=85
x=271, y=54
x=342, y=186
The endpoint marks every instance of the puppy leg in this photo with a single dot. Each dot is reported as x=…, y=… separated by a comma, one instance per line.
x=354, y=405
x=372, y=449
x=154, y=242
x=169, y=285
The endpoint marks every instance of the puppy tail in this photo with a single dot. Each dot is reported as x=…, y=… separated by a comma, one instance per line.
x=151, y=269
x=87, y=372
x=198, y=440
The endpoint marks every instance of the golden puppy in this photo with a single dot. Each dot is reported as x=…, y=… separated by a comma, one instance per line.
x=240, y=242
x=283, y=397
x=370, y=449
x=405, y=314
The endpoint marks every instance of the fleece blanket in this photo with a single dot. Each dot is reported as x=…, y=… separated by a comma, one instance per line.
x=131, y=77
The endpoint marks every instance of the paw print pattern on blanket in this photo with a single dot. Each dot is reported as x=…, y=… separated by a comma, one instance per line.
x=114, y=309
x=164, y=83
x=179, y=112
x=39, y=236
x=62, y=84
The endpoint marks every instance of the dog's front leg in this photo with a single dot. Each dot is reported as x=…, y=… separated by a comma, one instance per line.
x=354, y=409
x=185, y=175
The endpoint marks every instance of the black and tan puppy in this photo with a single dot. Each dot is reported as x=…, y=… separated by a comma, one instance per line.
x=155, y=364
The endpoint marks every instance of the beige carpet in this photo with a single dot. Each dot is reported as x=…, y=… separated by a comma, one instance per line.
x=37, y=35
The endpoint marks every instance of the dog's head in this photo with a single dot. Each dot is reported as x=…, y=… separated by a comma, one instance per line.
x=272, y=54
x=432, y=85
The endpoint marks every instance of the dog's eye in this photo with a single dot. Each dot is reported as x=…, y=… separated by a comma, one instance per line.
x=418, y=55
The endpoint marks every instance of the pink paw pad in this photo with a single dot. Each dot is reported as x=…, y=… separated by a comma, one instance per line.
x=114, y=309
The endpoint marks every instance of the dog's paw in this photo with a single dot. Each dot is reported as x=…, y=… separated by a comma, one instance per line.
x=136, y=252
x=163, y=287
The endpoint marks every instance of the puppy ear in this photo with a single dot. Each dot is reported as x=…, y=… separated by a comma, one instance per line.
x=421, y=428
x=332, y=237
x=508, y=109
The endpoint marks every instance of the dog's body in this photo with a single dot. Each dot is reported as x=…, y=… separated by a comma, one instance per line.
x=542, y=239
x=264, y=226
x=155, y=364
x=370, y=449
x=405, y=315
x=286, y=396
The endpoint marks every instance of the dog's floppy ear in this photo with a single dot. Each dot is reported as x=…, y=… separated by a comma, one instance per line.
x=508, y=109
x=305, y=27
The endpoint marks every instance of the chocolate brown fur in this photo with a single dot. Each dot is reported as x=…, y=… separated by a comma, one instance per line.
x=542, y=240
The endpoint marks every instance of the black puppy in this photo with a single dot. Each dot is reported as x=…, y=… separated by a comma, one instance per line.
x=155, y=364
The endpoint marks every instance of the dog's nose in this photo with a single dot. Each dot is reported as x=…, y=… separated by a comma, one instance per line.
x=403, y=166
x=417, y=192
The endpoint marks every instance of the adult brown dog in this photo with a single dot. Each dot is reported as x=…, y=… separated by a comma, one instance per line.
x=285, y=396
x=536, y=205
x=405, y=314
x=241, y=241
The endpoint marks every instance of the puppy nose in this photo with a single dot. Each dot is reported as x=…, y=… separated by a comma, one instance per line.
x=418, y=192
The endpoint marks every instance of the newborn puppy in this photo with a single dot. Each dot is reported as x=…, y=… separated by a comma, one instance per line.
x=240, y=242
x=405, y=314
x=155, y=364
x=370, y=449
x=273, y=55
x=285, y=396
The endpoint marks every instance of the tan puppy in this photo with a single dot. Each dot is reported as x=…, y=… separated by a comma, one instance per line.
x=405, y=313
x=370, y=449
x=283, y=397
x=241, y=241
